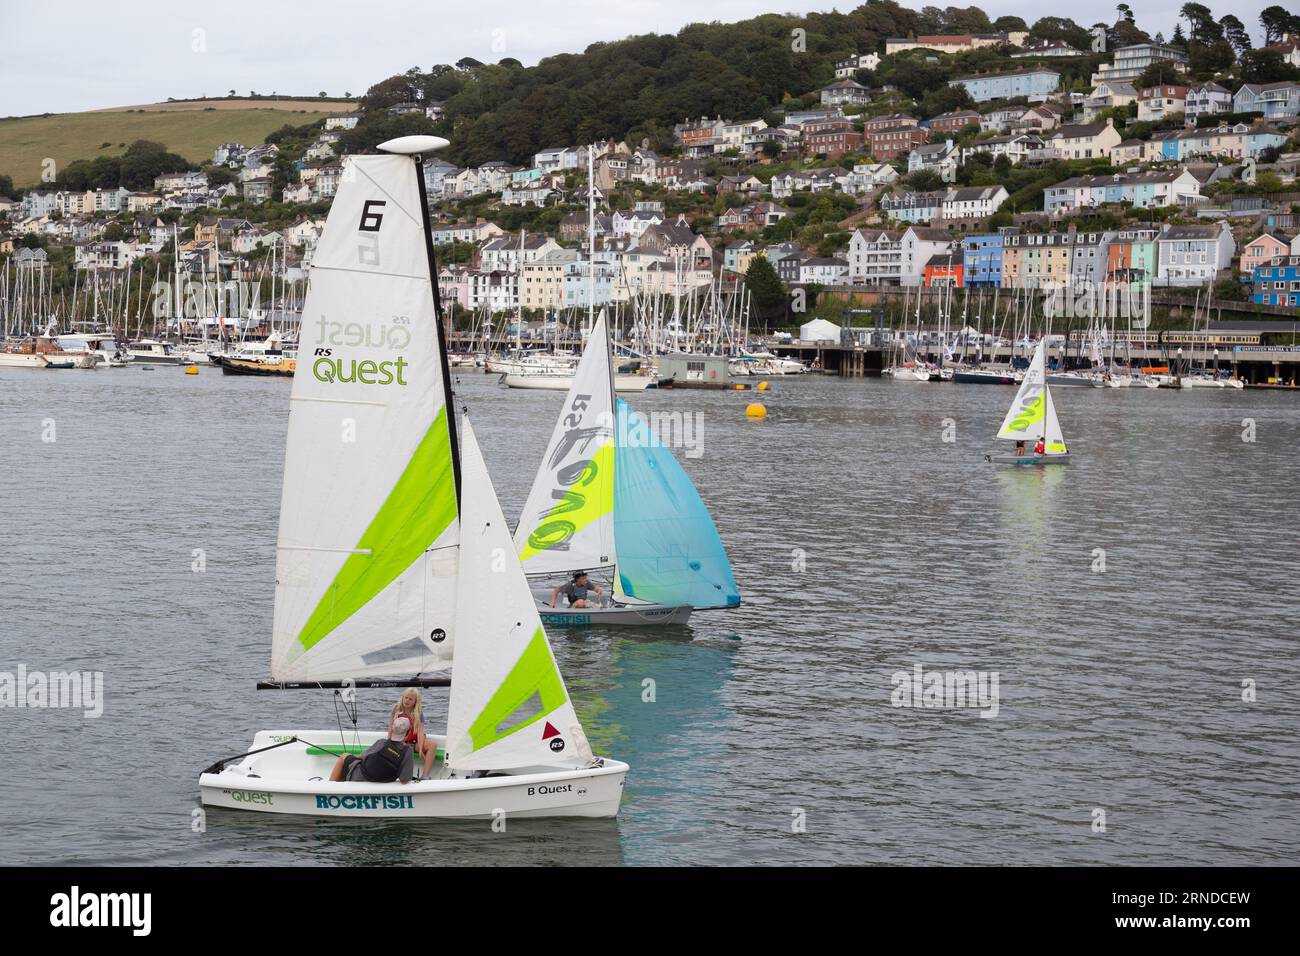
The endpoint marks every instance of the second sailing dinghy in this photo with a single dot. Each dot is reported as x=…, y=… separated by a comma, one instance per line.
x=394, y=561
x=610, y=499
x=1031, y=418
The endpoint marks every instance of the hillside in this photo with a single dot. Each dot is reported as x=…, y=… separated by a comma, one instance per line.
x=192, y=132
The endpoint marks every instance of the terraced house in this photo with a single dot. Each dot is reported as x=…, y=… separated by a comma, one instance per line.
x=1035, y=84
x=894, y=141
x=982, y=259
x=1131, y=259
x=1278, y=282
x=1084, y=140
x=1193, y=255
x=1036, y=260
x=1142, y=190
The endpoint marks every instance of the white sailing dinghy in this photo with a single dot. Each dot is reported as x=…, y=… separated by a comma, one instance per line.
x=1033, y=416
x=394, y=562
x=610, y=497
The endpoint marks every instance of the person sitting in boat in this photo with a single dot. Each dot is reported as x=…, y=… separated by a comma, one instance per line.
x=1020, y=448
x=577, y=590
x=1040, y=447
x=383, y=762
x=411, y=706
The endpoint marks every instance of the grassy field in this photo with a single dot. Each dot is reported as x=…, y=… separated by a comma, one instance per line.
x=193, y=130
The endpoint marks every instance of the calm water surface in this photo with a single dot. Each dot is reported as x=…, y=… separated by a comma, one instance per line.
x=1120, y=691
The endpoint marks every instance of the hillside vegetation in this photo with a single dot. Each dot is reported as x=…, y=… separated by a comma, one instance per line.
x=193, y=133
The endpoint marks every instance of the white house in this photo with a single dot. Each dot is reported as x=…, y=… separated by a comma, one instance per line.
x=810, y=180
x=916, y=247
x=846, y=69
x=867, y=176
x=1206, y=99
x=939, y=158
x=844, y=93
x=1156, y=103
x=1193, y=255
x=1107, y=95
x=972, y=202
x=823, y=270
x=875, y=257
x=1017, y=147
x=1084, y=140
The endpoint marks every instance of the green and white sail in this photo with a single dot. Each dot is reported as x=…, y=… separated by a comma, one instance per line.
x=367, y=548
x=1032, y=415
x=509, y=707
x=568, y=520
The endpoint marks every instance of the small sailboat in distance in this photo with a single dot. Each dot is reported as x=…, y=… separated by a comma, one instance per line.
x=610, y=499
x=394, y=562
x=1031, y=418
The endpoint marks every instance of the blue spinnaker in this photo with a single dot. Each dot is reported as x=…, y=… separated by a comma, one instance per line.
x=668, y=549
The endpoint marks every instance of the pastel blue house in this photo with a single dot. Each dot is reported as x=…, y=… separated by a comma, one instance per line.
x=1034, y=83
x=1261, y=139
x=982, y=260
x=1275, y=100
x=1278, y=283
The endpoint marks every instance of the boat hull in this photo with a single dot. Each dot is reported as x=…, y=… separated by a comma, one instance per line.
x=619, y=616
x=983, y=378
x=1028, y=459
x=294, y=779
x=1066, y=380
x=234, y=366
x=562, y=383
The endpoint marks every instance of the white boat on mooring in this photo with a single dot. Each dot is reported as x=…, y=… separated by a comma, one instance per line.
x=394, y=563
x=155, y=352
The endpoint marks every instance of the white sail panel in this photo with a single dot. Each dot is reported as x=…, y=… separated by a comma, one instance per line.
x=1053, y=441
x=568, y=520
x=509, y=707
x=365, y=565
x=1024, y=419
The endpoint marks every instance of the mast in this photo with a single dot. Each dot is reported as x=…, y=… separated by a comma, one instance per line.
x=591, y=238
x=449, y=397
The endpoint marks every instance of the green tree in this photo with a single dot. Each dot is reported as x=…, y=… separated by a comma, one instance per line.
x=1234, y=31
x=766, y=289
x=1276, y=21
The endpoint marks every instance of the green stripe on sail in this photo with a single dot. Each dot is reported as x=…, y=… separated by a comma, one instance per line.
x=588, y=499
x=534, y=674
x=1032, y=413
x=421, y=506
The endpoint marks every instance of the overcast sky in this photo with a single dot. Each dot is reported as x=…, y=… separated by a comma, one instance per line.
x=68, y=55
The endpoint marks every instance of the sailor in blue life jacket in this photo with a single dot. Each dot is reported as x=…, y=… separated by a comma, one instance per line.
x=384, y=761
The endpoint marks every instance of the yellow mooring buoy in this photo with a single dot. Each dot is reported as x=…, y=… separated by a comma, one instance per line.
x=756, y=410
x=762, y=386
x=191, y=370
